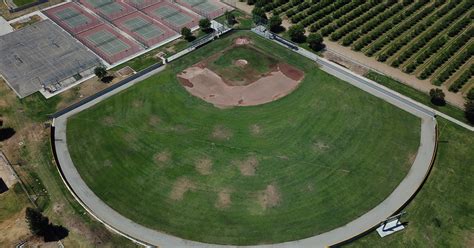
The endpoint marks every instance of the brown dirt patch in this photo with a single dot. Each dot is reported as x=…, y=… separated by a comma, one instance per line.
x=137, y=103
x=291, y=72
x=154, y=120
x=241, y=62
x=162, y=158
x=242, y=41
x=185, y=82
x=204, y=166
x=180, y=187
x=247, y=167
x=255, y=129
x=212, y=88
x=270, y=197
x=14, y=229
x=222, y=133
x=108, y=121
x=320, y=146
x=223, y=199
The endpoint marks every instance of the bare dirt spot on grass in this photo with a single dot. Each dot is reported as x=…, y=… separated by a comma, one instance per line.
x=222, y=133
x=247, y=167
x=137, y=103
x=270, y=197
x=204, y=166
x=154, y=120
x=241, y=62
x=14, y=229
x=108, y=121
x=180, y=187
x=162, y=158
x=223, y=199
x=255, y=129
x=107, y=163
x=242, y=41
x=320, y=146
x=58, y=208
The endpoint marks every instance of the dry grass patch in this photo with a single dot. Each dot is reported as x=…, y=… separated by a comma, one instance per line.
x=222, y=133
x=247, y=167
x=204, y=166
x=162, y=158
x=255, y=129
x=108, y=121
x=320, y=146
x=180, y=187
x=154, y=120
x=223, y=199
x=270, y=197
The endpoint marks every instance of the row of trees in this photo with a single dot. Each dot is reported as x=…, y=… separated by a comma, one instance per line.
x=427, y=53
x=371, y=24
x=462, y=79
x=349, y=27
x=434, y=31
x=444, y=56
x=315, y=13
x=399, y=30
x=337, y=15
x=286, y=6
x=454, y=65
x=469, y=106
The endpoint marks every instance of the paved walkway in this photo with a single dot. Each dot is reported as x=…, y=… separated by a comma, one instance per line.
x=402, y=194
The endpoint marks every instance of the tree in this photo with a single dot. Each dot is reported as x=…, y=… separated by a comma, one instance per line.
x=296, y=33
x=205, y=25
x=437, y=97
x=315, y=41
x=100, y=72
x=469, y=111
x=274, y=23
x=230, y=18
x=250, y=2
x=187, y=34
x=258, y=15
x=37, y=223
x=470, y=94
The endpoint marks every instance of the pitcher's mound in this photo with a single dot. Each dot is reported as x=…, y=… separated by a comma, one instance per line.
x=241, y=62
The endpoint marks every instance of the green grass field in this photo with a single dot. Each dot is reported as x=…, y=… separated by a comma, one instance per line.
x=172, y=162
x=442, y=213
x=23, y=2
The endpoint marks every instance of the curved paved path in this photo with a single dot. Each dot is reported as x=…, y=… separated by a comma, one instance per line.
x=146, y=236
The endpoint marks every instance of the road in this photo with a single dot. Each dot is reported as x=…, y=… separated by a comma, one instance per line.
x=146, y=236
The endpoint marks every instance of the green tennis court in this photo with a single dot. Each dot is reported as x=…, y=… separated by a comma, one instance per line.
x=99, y=3
x=143, y=28
x=107, y=42
x=72, y=17
x=110, y=9
x=172, y=15
x=203, y=5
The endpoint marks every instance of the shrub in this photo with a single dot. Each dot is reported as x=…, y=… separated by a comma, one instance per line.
x=274, y=24
x=296, y=33
x=205, y=25
x=437, y=97
x=315, y=41
x=469, y=111
x=187, y=34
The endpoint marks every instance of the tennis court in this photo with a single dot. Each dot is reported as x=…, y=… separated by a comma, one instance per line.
x=141, y=4
x=108, y=9
x=72, y=18
x=172, y=15
x=207, y=8
x=108, y=44
x=144, y=29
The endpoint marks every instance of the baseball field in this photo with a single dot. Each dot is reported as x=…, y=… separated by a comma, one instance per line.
x=319, y=155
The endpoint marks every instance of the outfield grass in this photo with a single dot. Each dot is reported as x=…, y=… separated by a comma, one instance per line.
x=326, y=149
x=442, y=214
